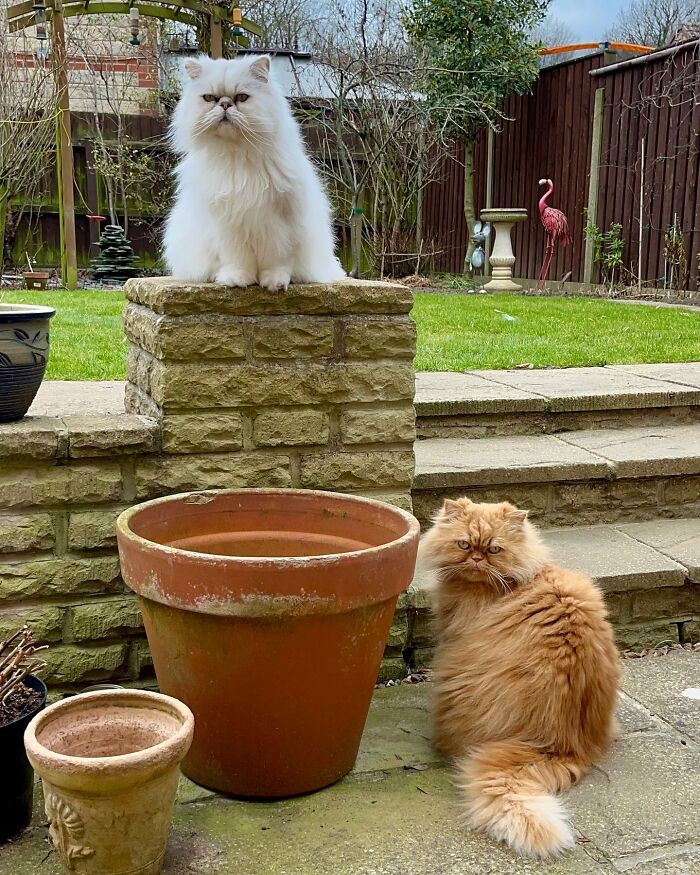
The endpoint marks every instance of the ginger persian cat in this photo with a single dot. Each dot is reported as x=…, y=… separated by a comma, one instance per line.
x=250, y=206
x=526, y=672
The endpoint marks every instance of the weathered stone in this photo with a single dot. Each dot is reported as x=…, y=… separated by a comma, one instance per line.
x=347, y=296
x=170, y=385
x=291, y=428
x=45, y=621
x=446, y=393
x=141, y=657
x=107, y=618
x=65, y=397
x=22, y=532
x=401, y=500
x=105, y=435
x=291, y=339
x=604, y=496
x=186, y=338
x=378, y=426
x=140, y=403
x=677, y=539
x=671, y=602
x=681, y=492
x=202, y=432
x=392, y=668
x=616, y=561
x=159, y=476
x=398, y=634
x=531, y=497
x=644, y=452
x=380, y=337
x=339, y=471
x=40, y=437
x=69, y=484
x=93, y=529
x=59, y=576
x=684, y=374
x=521, y=459
x=69, y=664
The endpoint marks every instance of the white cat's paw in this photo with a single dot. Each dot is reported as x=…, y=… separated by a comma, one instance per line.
x=275, y=280
x=233, y=276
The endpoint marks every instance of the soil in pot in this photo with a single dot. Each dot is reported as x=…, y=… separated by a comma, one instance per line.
x=267, y=612
x=17, y=784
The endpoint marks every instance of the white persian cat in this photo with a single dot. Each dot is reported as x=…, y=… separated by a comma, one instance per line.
x=250, y=206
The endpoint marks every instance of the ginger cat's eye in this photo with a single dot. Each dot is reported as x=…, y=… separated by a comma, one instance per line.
x=495, y=549
x=210, y=98
x=464, y=545
x=241, y=98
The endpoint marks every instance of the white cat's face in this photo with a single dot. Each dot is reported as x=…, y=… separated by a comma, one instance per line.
x=226, y=100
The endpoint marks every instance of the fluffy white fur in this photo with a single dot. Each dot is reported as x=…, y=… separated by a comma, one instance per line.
x=250, y=206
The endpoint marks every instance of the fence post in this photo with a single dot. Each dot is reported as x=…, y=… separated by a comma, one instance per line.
x=490, y=154
x=594, y=178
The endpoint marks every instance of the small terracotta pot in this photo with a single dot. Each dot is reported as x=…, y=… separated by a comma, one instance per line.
x=109, y=766
x=267, y=611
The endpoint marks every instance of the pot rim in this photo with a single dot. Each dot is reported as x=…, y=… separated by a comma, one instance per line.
x=161, y=752
x=29, y=715
x=24, y=312
x=319, y=561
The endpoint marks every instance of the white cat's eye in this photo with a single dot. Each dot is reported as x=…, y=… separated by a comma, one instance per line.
x=495, y=549
x=210, y=98
x=241, y=98
x=464, y=545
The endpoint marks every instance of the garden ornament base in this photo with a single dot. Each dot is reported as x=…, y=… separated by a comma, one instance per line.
x=109, y=765
x=502, y=258
x=267, y=612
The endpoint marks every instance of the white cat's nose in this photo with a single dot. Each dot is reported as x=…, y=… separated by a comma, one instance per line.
x=225, y=103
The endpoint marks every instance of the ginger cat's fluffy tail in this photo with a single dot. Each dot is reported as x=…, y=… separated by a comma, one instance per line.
x=509, y=791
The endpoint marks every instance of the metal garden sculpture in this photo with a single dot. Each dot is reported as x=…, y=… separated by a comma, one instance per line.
x=556, y=227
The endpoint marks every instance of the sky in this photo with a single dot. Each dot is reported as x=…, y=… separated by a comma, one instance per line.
x=589, y=19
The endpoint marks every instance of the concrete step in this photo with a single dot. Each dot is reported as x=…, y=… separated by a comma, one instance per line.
x=650, y=573
x=484, y=403
x=576, y=478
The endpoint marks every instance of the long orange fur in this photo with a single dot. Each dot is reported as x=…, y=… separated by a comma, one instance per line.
x=526, y=672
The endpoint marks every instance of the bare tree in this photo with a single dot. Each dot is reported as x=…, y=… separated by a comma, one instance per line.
x=379, y=149
x=28, y=123
x=654, y=22
x=110, y=93
x=550, y=33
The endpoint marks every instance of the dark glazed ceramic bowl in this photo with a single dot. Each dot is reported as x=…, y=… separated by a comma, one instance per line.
x=24, y=351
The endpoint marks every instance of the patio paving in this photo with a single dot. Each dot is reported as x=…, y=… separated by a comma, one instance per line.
x=396, y=814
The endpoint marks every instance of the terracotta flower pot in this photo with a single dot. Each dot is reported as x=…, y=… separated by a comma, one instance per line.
x=267, y=611
x=109, y=765
x=24, y=351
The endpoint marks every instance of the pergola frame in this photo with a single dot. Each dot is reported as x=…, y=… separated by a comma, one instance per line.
x=21, y=15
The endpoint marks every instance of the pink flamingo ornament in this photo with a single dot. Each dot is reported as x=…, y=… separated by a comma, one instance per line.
x=556, y=227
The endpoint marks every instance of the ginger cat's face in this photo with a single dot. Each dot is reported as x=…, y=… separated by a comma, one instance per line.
x=483, y=543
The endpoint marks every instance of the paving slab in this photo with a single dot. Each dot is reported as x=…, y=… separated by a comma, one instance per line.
x=617, y=561
x=445, y=462
x=443, y=393
x=660, y=683
x=397, y=814
x=596, y=388
x=644, y=795
x=682, y=373
x=677, y=539
x=67, y=397
x=651, y=451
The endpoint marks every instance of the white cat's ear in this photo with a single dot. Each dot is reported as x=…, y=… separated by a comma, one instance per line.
x=192, y=68
x=451, y=508
x=260, y=68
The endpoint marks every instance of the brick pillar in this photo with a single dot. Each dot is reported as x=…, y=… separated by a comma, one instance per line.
x=311, y=388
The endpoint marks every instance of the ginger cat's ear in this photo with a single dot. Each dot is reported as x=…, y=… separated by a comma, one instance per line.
x=515, y=515
x=452, y=508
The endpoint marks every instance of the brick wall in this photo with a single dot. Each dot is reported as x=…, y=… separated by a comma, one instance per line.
x=226, y=389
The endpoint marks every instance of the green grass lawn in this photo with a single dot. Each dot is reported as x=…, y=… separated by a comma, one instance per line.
x=455, y=332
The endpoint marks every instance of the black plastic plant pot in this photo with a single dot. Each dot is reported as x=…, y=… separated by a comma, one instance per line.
x=17, y=784
x=24, y=351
